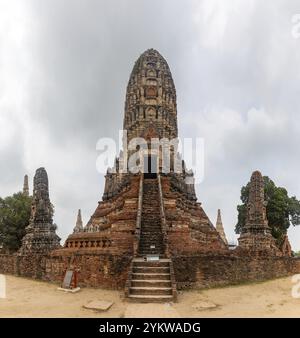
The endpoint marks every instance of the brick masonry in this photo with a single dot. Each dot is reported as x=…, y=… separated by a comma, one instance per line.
x=110, y=271
x=209, y=270
x=94, y=270
x=102, y=251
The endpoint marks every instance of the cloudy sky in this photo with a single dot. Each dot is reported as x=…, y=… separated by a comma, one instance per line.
x=64, y=67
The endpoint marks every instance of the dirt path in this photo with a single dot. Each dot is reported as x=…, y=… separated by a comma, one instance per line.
x=28, y=298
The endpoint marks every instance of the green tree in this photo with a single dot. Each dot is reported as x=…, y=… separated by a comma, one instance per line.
x=14, y=217
x=282, y=210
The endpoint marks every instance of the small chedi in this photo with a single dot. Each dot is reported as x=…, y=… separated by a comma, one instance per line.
x=79, y=224
x=286, y=248
x=256, y=234
x=26, y=186
x=40, y=237
x=220, y=228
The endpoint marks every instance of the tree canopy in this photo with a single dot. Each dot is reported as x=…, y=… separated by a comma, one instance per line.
x=14, y=217
x=282, y=210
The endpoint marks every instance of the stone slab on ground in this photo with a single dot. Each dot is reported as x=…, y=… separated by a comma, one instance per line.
x=98, y=305
x=151, y=310
x=204, y=305
x=69, y=290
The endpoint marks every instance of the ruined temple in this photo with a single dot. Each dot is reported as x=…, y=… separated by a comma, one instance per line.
x=40, y=237
x=148, y=232
x=153, y=211
x=256, y=233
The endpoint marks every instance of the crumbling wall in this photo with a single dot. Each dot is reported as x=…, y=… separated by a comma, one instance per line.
x=8, y=264
x=110, y=271
x=94, y=270
x=209, y=270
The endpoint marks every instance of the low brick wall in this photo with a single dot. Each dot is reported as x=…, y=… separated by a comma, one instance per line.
x=110, y=271
x=8, y=264
x=95, y=270
x=216, y=270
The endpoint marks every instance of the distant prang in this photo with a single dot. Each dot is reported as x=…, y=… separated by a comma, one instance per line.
x=26, y=186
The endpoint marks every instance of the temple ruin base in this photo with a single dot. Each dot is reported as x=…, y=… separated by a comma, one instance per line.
x=110, y=271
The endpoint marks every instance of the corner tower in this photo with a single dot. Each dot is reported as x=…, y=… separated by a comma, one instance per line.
x=256, y=234
x=40, y=237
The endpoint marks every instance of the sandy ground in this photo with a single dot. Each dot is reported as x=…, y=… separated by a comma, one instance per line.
x=29, y=298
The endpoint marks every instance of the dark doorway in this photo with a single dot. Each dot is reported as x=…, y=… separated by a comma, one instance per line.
x=150, y=166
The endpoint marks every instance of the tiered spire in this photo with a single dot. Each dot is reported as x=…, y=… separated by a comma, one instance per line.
x=151, y=99
x=220, y=228
x=256, y=233
x=26, y=186
x=40, y=234
x=79, y=224
x=256, y=216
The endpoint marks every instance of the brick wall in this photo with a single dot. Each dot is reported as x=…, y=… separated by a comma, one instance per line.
x=212, y=270
x=8, y=264
x=95, y=270
x=110, y=271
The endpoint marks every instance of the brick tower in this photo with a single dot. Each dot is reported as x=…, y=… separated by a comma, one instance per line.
x=256, y=234
x=26, y=186
x=40, y=237
x=220, y=228
x=153, y=210
x=79, y=225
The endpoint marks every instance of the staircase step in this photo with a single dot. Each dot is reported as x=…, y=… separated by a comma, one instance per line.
x=151, y=232
x=150, y=298
x=148, y=276
x=150, y=291
x=150, y=239
x=151, y=269
x=151, y=283
x=151, y=252
x=148, y=246
x=151, y=236
x=160, y=263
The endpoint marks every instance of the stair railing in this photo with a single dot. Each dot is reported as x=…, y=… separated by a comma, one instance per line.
x=139, y=217
x=163, y=217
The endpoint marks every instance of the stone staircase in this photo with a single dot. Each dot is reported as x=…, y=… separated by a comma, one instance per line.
x=151, y=237
x=151, y=280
